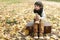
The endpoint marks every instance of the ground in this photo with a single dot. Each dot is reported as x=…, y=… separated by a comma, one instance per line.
x=14, y=15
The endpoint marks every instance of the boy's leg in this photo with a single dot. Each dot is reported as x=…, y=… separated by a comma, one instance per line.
x=41, y=28
x=35, y=27
x=35, y=30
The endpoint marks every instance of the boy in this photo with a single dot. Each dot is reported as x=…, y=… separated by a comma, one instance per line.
x=40, y=15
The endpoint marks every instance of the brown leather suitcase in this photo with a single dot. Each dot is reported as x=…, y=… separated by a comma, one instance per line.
x=47, y=27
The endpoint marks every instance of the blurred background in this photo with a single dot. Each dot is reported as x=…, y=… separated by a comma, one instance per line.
x=15, y=14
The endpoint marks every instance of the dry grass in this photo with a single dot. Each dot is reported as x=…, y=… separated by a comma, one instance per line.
x=14, y=17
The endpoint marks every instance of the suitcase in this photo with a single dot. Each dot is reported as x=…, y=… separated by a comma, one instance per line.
x=47, y=28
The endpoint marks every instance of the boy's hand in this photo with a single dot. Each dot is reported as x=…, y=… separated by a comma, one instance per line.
x=37, y=17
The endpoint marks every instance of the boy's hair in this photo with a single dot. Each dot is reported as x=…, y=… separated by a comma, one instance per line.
x=38, y=3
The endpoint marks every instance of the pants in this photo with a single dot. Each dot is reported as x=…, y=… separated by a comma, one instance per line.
x=37, y=28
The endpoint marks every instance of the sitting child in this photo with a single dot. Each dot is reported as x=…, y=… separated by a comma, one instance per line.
x=39, y=11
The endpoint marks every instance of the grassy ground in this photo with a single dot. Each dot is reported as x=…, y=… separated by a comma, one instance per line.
x=19, y=1
x=11, y=1
x=54, y=0
x=15, y=14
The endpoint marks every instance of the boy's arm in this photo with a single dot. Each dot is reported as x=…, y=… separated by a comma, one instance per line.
x=43, y=15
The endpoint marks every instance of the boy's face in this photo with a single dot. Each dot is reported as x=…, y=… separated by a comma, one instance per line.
x=36, y=7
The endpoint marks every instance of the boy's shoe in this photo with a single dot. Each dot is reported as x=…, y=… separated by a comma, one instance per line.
x=36, y=35
x=41, y=38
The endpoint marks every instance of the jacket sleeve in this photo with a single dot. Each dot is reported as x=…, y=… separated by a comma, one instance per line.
x=43, y=15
